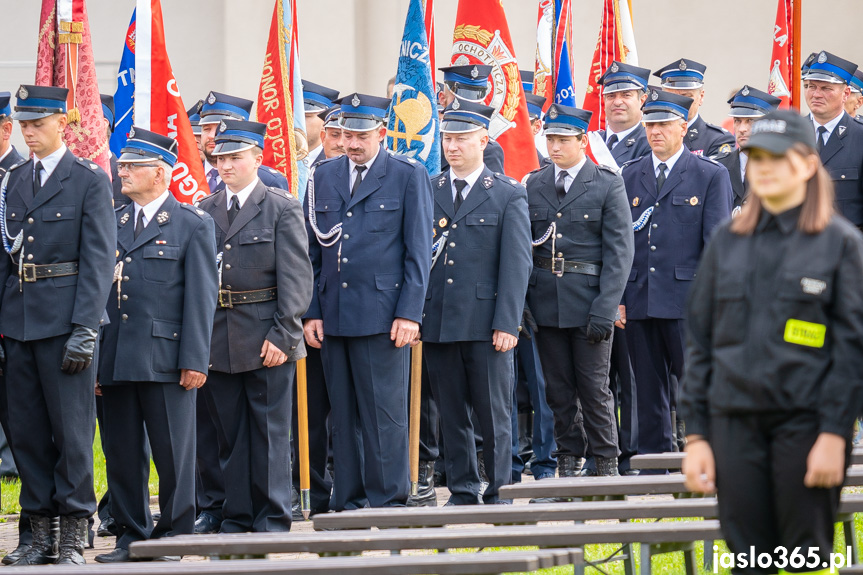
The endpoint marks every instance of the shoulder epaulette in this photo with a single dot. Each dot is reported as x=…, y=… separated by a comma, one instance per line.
x=858, y=119
x=402, y=158
x=88, y=164
x=717, y=128
x=194, y=209
x=609, y=169
x=707, y=159
x=18, y=165
x=505, y=178
x=281, y=193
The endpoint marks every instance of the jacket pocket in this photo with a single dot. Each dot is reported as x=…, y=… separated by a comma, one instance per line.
x=257, y=248
x=586, y=215
x=166, y=346
x=384, y=282
x=61, y=228
x=686, y=209
x=730, y=315
x=486, y=291
x=684, y=273
x=538, y=214
x=382, y=214
x=160, y=263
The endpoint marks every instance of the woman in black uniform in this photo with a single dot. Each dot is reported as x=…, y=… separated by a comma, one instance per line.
x=775, y=355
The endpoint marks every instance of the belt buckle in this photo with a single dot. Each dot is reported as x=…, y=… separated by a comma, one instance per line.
x=223, y=301
x=557, y=266
x=29, y=273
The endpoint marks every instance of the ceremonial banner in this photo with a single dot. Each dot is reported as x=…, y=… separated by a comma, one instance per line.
x=780, y=60
x=429, y=23
x=481, y=36
x=124, y=97
x=564, y=86
x=616, y=42
x=65, y=59
x=158, y=104
x=413, y=128
x=543, y=76
x=279, y=95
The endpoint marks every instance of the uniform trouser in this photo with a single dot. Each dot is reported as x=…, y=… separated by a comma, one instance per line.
x=656, y=348
x=210, y=457
x=52, y=422
x=168, y=412
x=760, y=465
x=429, y=420
x=465, y=376
x=25, y=535
x=367, y=381
x=625, y=401
x=575, y=368
x=321, y=484
x=254, y=414
x=527, y=366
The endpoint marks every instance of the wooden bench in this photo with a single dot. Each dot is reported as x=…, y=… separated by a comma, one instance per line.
x=655, y=538
x=456, y=564
x=672, y=461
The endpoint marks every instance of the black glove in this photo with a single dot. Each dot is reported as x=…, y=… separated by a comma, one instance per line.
x=79, y=349
x=598, y=329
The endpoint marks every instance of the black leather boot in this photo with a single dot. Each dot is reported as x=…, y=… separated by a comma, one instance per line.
x=569, y=465
x=43, y=550
x=605, y=467
x=426, y=496
x=73, y=538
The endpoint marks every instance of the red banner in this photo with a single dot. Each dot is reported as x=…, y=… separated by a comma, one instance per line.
x=609, y=47
x=779, y=84
x=481, y=36
x=429, y=20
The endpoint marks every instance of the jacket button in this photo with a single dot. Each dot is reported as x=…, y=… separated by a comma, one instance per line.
x=227, y=246
x=128, y=260
x=449, y=281
x=161, y=253
x=654, y=226
x=449, y=263
x=124, y=317
x=344, y=260
x=175, y=335
x=482, y=220
x=30, y=239
x=560, y=254
x=347, y=237
x=29, y=220
x=29, y=257
x=349, y=214
x=560, y=215
x=254, y=239
x=559, y=236
x=652, y=270
x=454, y=226
x=587, y=217
x=397, y=285
x=520, y=328
x=227, y=266
x=293, y=347
x=842, y=176
x=125, y=278
x=656, y=205
x=452, y=244
x=344, y=285
x=228, y=287
x=59, y=214
x=125, y=297
x=211, y=365
x=382, y=206
x=653, y=248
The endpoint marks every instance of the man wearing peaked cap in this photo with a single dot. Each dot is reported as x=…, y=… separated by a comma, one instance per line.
x=156, y=348
x=535, y=104
x=676, y=200
x=316, y=99
x=368, y=218
x=474, y=303
x=624, y=89
x=218, y=107
x=194, y=114
x=747, y=106
x=108, y=115
x=686, y=78
x=265, y=284
x=855, y=100
x=582, y=255
x=9, y=156
x=58, y=209
x=331, y=135
x=838, y=136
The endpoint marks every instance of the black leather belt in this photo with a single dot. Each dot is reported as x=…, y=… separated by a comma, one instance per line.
x=228, y=298
x=558, y=266
x=32, y=272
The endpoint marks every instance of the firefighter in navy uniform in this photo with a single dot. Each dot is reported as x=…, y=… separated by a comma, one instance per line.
x=624, y=90
x=108, y=115
x=156, y=348
x=686, y=78
x=316, y=99
x=55, y=285
x=747, y=106
x=855, y=100
x=676, y=200
x=582, y=256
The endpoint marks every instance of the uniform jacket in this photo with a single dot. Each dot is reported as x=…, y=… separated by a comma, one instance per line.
x=842, y=156
x=12, y=158
x=739, y=186
x=708, y=140
x=162, y=319
x=119, y=199
x=268, y=176
x=385, y=246
x=595, y=227
x=492, y=157
x=479, y=282
x=632, y=147
x=695, y=198
x=265, y=247
x=69, y=220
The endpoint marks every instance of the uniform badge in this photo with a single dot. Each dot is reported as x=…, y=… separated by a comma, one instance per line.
x=682, y=65
x=745, y=91
x=693, y=131
x=132, y=132
x=725, y=149
x=455, y=104
x=736, y=211
x=355, y=101
x=441, y=181
x=441, y=223
x=124, y=219
x=23, y=93
x=487, y=182
x=162, y=217
x=118, y=254
x=200, y=212
x=629, y=142
x=822, y=57
x=615, y=68
x=93, y=166
x=812, y=286
x=161, y=242
x=635, y=202
x=222, y=126
x=841, y=130
x=552, y=113
x=474, y=73
x=654, y=95
x=693, y=201
x=211, y=99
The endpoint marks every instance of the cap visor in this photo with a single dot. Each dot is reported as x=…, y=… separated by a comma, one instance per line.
x=561, y=130
x=458, y=127
x=359, y=124
x=333, y=124
x=313, y=108
x=217, y=119
x=774, y=143
x=196, y=129
x=661, y=116
x=821, y=76
x=621, y=87
x=223, y=148
x=746, y=113
x=135, y=158
x=25, y=115
x=688, y=85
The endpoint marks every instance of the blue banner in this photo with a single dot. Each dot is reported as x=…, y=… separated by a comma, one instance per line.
x=124, y=97
x=564, y=87
x=413, y=128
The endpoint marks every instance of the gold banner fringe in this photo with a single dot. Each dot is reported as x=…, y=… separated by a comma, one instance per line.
x=70, y=38
x=77, y=27
x=74, y=115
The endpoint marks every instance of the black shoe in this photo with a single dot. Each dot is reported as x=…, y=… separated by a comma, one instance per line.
x=43, y=550
x=107, y=528
x=569, y=465
x=73, y=538
x=16, y=555
x=426, y=496
x=206, y=523
x=605, y=467
x=118, y=555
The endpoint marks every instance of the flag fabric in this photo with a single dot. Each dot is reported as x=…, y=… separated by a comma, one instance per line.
x=279, y=95
x=124, y=97
x=616, y=42
x=413, y=128
x=158, y=104
x=65, y=59
x=429, y=24
x=564, y=86
x=779, y=82
x=481, y=36
x=543, y=78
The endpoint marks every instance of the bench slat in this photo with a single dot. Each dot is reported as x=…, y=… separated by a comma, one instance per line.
x=674, y=460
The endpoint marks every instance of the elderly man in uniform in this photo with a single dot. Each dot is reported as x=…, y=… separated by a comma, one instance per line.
x=368, y=217
x=624, y=90
x=58, y=210
x=839, y=137
x=265, y=288
x=156, y=347
x=747, y=106
x=581, y=261
x=686, y=78
x=676, y=200
x=475, y=299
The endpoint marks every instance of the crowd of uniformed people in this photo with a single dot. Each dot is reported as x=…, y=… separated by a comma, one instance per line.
x=552, y=311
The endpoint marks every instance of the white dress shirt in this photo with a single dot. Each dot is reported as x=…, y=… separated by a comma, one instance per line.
x=620, y=135
x=669, y=162
x=49, y=163
x=352, y=172
x=151, y=208
x=743, y=159
x=831, y=125
x=242, y=195
x=571, y=173
x=470, y=179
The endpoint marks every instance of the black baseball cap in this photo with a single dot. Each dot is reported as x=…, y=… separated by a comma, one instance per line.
x=780, y=130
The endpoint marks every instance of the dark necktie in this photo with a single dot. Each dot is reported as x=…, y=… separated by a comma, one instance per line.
x=459, y=199
x=358, y=179
x=139, y=223
x=560, y=185
x=233, y=209
x=660, y=179
x=821, y=131
x=213, y=179
x=611, y=141
x=37, y=179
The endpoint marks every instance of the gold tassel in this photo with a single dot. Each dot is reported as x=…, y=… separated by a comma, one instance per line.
x=74, y=115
